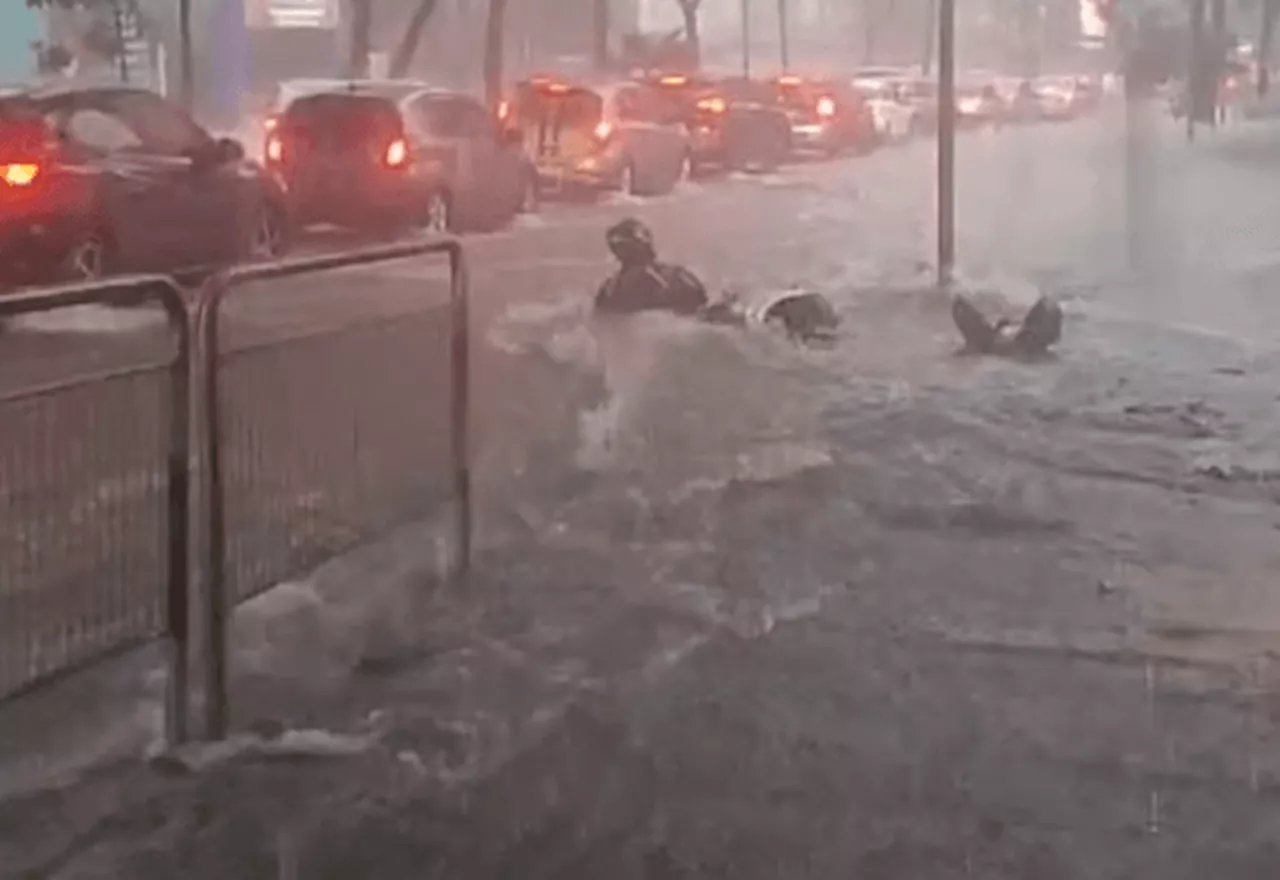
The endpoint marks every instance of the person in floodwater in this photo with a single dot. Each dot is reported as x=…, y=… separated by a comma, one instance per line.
x=643, y=283
x=1032, y=337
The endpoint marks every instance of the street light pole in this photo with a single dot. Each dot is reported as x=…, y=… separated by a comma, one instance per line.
x=784, y=43
x=746, y=38
x=946, y=142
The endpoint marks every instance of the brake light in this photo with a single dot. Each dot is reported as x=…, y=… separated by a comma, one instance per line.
x=397, y=153
x=602, y=131
x=674, y=80
x=826, y=108
x=19, y=173
x=275, y=149
x=712, y=105
x=504, y=110
x=271, y=124
x=789, y=80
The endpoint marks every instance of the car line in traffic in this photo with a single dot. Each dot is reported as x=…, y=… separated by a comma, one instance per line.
x=102, y=180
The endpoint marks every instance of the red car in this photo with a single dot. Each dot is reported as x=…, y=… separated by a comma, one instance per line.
x=100, y=181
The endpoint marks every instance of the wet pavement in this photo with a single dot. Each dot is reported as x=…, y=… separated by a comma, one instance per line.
x=747, y=610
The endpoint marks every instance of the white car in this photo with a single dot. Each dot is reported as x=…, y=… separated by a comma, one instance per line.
x=895, y=118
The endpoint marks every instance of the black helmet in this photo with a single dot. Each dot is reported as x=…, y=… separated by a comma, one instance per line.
x=631, y=242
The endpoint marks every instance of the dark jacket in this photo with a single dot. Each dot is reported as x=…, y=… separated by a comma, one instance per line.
x=653, y=287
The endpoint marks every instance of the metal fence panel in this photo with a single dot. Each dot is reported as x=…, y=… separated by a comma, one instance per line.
x=325, y=433
x=94, y=483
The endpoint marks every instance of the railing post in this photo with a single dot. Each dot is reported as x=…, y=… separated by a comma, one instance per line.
x=178, y=523
x=460, y=407
x=216, y=605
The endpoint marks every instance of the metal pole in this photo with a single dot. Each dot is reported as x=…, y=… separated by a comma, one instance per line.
x=186, y=59
x=1195, y=73
x=460, y=410
x=946, y=142
x=746, y=38
x=784, y=42
x=217, y=713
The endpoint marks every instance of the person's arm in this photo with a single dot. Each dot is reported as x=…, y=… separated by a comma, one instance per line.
x=685, y=291
x=604, y=294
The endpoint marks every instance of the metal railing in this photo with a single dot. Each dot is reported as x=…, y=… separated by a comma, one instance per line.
x=95, y=496
x=326, y=438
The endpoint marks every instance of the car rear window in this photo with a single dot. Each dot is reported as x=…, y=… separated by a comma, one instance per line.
x=346, y=118
x=576, y=108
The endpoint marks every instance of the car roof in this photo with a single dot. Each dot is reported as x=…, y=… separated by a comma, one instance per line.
x=390, y=89
x=56, y=91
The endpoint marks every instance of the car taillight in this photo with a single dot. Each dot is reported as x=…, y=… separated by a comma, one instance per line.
x=275, y=149
x=826, y=108
x=504, y=110
x=711, y=105
x=271, y=124
x=397, y=153
x=19, y=173
x=603, y=131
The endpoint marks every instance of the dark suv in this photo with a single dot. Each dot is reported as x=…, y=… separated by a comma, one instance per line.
x=102, y=180
x=387, y=154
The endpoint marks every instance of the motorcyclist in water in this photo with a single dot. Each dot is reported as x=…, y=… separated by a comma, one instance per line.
x=1031, y=337
x=642, y=283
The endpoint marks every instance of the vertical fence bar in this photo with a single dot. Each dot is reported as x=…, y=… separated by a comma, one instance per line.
x=216, y=705
x=460, y=407
x=178, y=539
x=946, y=142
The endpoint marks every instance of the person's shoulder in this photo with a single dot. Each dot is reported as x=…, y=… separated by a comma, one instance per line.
x=673, y=273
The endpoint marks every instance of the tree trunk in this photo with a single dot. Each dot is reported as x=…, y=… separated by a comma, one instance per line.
x=361, y=35
x=691, y=35
x=495, y=32
x=930, y=37
x=408, y=45
x=600, y=28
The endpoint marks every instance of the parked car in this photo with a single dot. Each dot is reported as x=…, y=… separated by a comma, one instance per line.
x=896, y=119
x=979, y=105
x=732, y=122
x=826, y=115
x=623, y=136
x=390, y=154
x=95, y=181
x=922, y=96
x=1027, y=104
x=1066, y=97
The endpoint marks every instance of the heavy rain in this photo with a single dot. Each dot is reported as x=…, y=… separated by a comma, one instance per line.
x=639, y=439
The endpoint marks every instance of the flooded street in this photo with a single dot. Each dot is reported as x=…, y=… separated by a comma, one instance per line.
x=750, y=610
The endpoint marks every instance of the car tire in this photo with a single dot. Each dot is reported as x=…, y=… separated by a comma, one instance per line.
x=628, y=180
x=530, y=194
x=437, y=213
x=266, y=236
x=87, y=259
